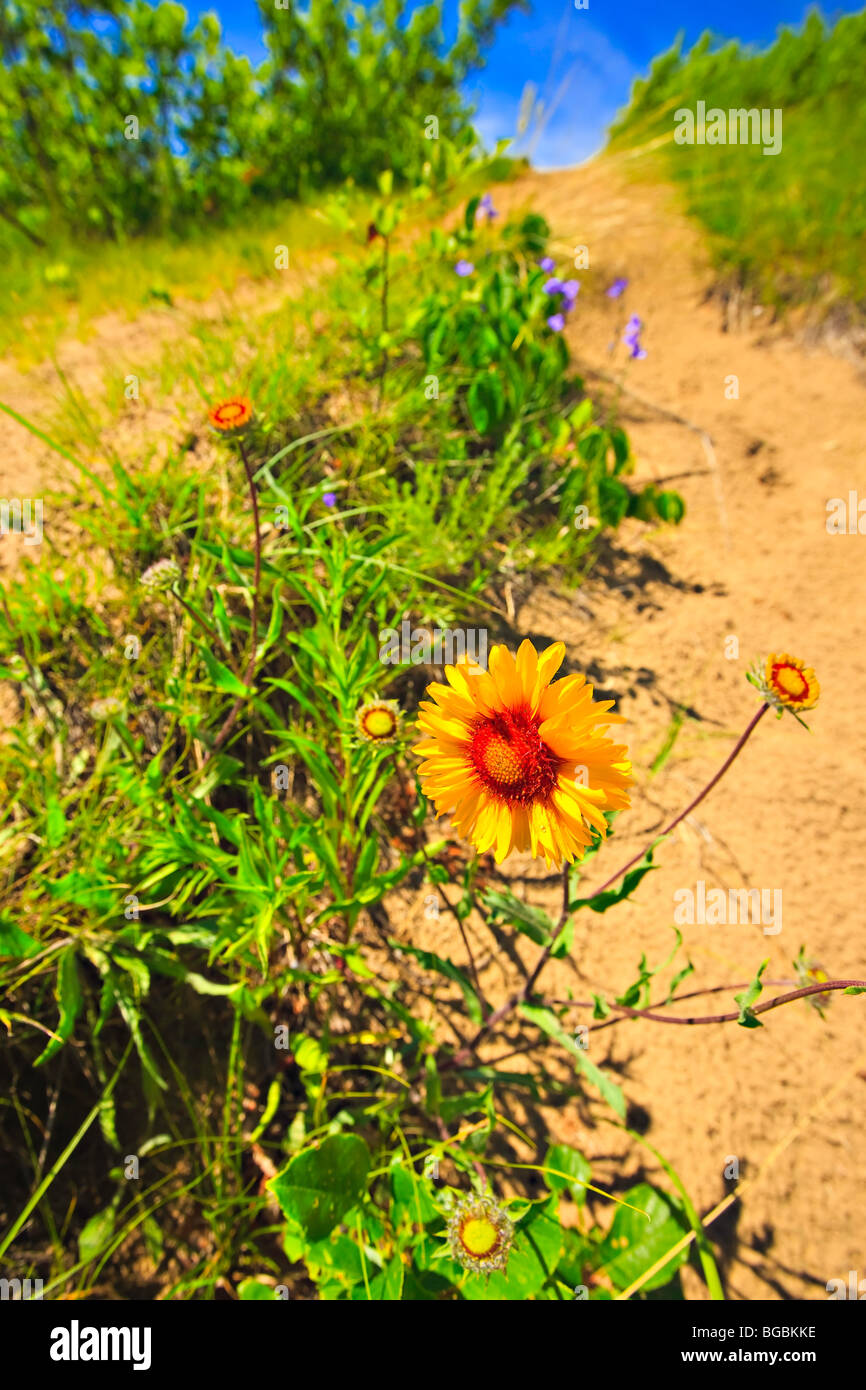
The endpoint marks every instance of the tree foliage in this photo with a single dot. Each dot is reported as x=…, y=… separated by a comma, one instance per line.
x=119, y=116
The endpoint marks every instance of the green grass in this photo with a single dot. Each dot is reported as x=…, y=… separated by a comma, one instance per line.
x=45, y=295
x=790, y=226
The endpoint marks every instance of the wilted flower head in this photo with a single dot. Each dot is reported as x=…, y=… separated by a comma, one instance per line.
x=463, y=268
x=231, y=416
x=161, y=576
x=108, y=708
x=615, y=290
x=377, y=721
x=811, y=972
x=480, y=1235
x=486, y=206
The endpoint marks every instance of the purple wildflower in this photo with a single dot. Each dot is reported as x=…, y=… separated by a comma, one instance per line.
x=464, y=268
x=631, y=338
x=547, y=264
x=615, y=290
x=329, y=499
x=570, y=289
x=486, y=206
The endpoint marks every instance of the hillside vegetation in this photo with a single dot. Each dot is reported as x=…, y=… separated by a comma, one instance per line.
x=791, y=225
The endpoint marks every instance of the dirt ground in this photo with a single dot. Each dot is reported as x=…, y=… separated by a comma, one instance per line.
x=754, y=561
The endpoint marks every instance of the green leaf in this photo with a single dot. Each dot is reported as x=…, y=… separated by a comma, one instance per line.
x=55, y=825
x=564, y=941
x=318, y=1186
x=433, y=1085
x=531, y=921
x=14, y=942
x=69, y=998
x=748, y=997
x=479, y=410
x=547, y=1021
x=387, y=1286
x=561, y=1158
x=96, y=1234
x=634, y=1243
x=251, y=1291
x=470, y=1103
x=309, y=1054
x=431, y=961
x=601, y=902
x=576, y=1254
x=412, y=1193
x=222, y=677
x=340, y=1256
x=670, y=507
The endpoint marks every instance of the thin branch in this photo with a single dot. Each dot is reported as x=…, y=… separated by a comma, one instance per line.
x=715, y=1018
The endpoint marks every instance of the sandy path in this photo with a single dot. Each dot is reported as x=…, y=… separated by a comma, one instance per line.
x=791, y=817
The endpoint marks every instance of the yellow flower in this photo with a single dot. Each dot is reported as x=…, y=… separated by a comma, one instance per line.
x=790, y=683
x=520, y=763
x=480, y=1235
x=378, y=721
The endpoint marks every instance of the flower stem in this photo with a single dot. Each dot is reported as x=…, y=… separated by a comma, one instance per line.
x=238, y=705
x=625, y=1012
x=737, y=749
x=384, y=369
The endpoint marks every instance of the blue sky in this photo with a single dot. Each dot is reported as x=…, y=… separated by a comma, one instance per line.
x=581, y=62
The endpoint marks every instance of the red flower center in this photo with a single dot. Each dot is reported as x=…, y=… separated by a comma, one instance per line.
x=231, y=412
x=511, y=759
x=790, y=681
